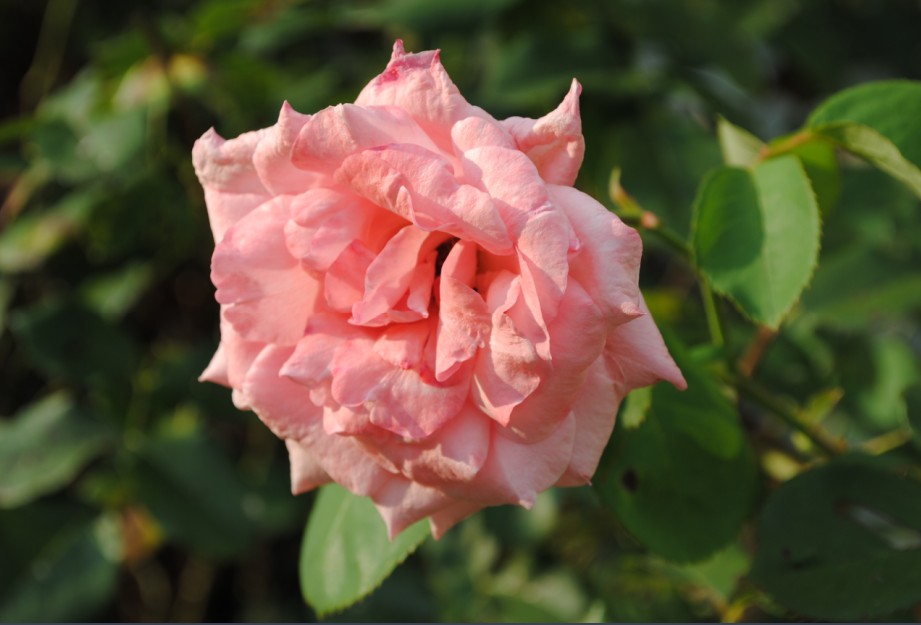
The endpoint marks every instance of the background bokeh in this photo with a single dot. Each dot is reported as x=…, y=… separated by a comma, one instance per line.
x=131, y=492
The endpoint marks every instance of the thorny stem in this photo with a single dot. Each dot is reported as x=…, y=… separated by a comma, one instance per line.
x=714, y=323
x=763, y=396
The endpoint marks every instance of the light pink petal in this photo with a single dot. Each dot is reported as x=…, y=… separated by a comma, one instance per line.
x=636, y=356
x=403, y=344
x=419, y=296
x=595, y=410
x=390, y=275
x=515, y=472
x=554, y=143
x=407, y=402
x=444, y=519
x=306, y=471
x=325, y=221
x=309, y=363
x=511, y=180
x=476, y=132
x=507, y=370
x=577, y=337
x=272, y=158
x=454, y=453
x=463, y=326
x=267, y=296
x=421, y=186
x=339, y=131
x=344, y=282
x=461, y=262
x=608, y=263
x=402, y=502
x=286, y=408
x=216, y=371
x=419, y=84
x=228, y=176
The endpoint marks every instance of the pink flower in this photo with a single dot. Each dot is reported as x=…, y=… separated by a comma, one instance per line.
x=417, y=300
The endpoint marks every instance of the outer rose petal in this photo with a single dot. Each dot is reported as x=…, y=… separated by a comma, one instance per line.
x=636, y=355
x=554, y=143
x=228, y=176
x=231, y=362
x=419, y=84
x=595, y=410
x=606, y=243
x=286, y=408
x=267, y=296
x=272, y=157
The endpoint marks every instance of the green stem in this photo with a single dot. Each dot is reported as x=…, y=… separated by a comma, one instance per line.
x=710, y=311
x=755, y=391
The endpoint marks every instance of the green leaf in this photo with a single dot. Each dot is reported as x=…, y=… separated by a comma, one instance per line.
x=66, y=339
x=858, y=286
x=113, y=294
x=821, y=165
x=842, y=542
x=346, y=552
x=70, y=578
x=879, y=121
x=756, y=235
x=33, y=237
x=636, y=407
x=740, y=148
x=193, y=492
x=685, y=479
x=44, y=446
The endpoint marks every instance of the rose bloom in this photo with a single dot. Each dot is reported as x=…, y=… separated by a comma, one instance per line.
x=415, y=298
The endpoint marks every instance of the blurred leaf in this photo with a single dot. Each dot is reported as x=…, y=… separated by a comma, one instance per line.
x=756, y=236
x=6, y=295
x=686, y=478
x=113, y=294
x=858, y=286
x=346, y=552
x=424, y=15
x=43, y=447
x=636, y=407
x=842, y=542
x=880, y=121
x=71, y=577
x=66, y=339
x=740, y=148
x=718, y=574
x=34, y=236
x=194, y=493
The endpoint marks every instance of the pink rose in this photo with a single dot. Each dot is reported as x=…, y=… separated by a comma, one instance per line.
x=417, y=300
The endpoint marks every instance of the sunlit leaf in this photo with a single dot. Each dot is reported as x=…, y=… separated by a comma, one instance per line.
x=740, y=148
x=879, y=121
x=346, y=552
x=756, y=235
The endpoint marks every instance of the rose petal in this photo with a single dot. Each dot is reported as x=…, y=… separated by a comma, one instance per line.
x=267, y=296
x=636, y=355
x=554, y=143
x=272, y=157
x=339, y=131
x=228, y=176
x=608, y=264
x=306, y=472
x=286, y=408
x=594, y=410
x=420, y=186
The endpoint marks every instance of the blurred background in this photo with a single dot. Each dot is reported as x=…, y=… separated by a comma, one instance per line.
x=130, y=492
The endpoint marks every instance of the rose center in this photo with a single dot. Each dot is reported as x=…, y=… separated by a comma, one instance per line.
x=442, y=252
